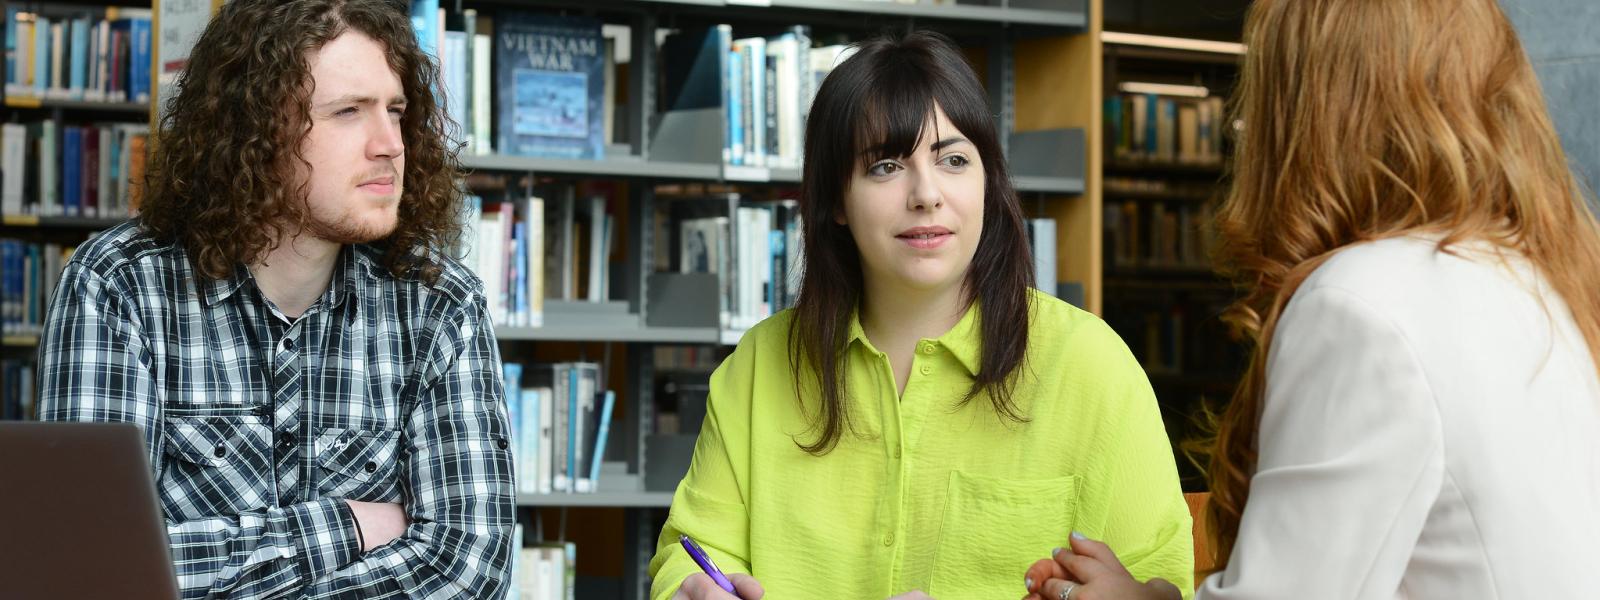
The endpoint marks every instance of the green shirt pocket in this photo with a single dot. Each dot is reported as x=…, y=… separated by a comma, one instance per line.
x=993, y=528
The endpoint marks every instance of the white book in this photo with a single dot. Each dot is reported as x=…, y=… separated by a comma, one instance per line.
x=533, y=211
x=471, y=224
x=482, y=52
x=534, y=573
x=1188, y=133
x=13, y=166
x=49, y=169
x=513, y=591
x=790, y=132
x=528, y=441
x=1043, y=235
x=597, y=249
x=547, y=417
x=58, y=45
x=454, y=65
x=491, y=261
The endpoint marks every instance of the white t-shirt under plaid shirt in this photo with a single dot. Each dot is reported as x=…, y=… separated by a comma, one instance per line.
x=258, y=426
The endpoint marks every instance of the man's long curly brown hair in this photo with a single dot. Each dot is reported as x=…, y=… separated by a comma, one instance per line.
x=222, y=180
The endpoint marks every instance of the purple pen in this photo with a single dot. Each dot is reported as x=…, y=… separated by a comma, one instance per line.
x=700, y=558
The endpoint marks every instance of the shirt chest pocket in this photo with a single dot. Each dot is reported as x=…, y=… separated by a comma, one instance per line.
x=358, y=464
x=994, y=528
x=215, y=465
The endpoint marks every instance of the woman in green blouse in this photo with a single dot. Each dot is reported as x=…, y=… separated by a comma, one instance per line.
x=922, y=419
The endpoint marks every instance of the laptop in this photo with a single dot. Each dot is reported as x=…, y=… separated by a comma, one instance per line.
x=78, y=514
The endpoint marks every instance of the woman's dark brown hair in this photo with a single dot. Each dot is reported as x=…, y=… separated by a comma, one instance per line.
x=874, y=106
x=221, y=182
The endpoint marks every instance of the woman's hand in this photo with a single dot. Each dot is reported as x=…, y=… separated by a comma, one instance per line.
x=1089, y=570
x=699, y=586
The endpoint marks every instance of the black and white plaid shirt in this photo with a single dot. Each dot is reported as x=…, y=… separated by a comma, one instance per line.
x=259, y=426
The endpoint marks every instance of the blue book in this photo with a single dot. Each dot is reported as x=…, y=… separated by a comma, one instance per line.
x=549, y=71
x=13, y=74
x=512, y=374
x=425, y=21
x=1152, y=106
x=8, y=296
x=528, y=458
x=78, y=79
x=600, y=435
x=735, y=85
x=574, y=423
x=72, y=171
x=138, y=55
x=521, y=288
x=41, y=55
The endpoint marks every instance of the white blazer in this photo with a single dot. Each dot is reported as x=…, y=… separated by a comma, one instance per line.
x=1431, y=430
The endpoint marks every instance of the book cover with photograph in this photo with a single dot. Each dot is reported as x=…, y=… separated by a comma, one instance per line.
x=549, y=71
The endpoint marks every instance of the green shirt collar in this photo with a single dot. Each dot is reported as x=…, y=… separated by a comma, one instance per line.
x=964, y=341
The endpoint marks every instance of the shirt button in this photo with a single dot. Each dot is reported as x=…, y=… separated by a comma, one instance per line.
x=285, y=440
x=888, y=540
x=220, y=451
x=287, y=344
x=927, y=370
x=502, y=443
x=897, y=453
x=371, y=467
x=928, y=348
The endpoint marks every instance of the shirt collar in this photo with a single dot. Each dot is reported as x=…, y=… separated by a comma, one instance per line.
x=354, y=264
x=964, y=341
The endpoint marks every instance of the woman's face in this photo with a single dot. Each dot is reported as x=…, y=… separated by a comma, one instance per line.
x=917, y=219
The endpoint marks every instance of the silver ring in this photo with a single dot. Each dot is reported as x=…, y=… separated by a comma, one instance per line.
x=1066, y=592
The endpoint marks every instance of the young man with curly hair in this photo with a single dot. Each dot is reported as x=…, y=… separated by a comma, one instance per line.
x=316, y=381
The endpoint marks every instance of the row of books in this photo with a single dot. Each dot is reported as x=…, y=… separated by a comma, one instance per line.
x=560, y=422
x=49, y=168
x=763, y=85
x=29, y=273
x=1165, y=129
x=1156, y=235
x=99, y=55
x=522, y=83
x=1163, y=334
x=687, y=358
x=752, y=245
x=533, y=84
x=1115, y=186
x=526, y=250
x=19, y=398
x=542, y=570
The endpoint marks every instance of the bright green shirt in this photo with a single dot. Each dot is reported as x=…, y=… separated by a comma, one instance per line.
x=926, y=494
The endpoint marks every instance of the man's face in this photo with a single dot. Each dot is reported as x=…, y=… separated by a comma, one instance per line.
x=354, y=146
